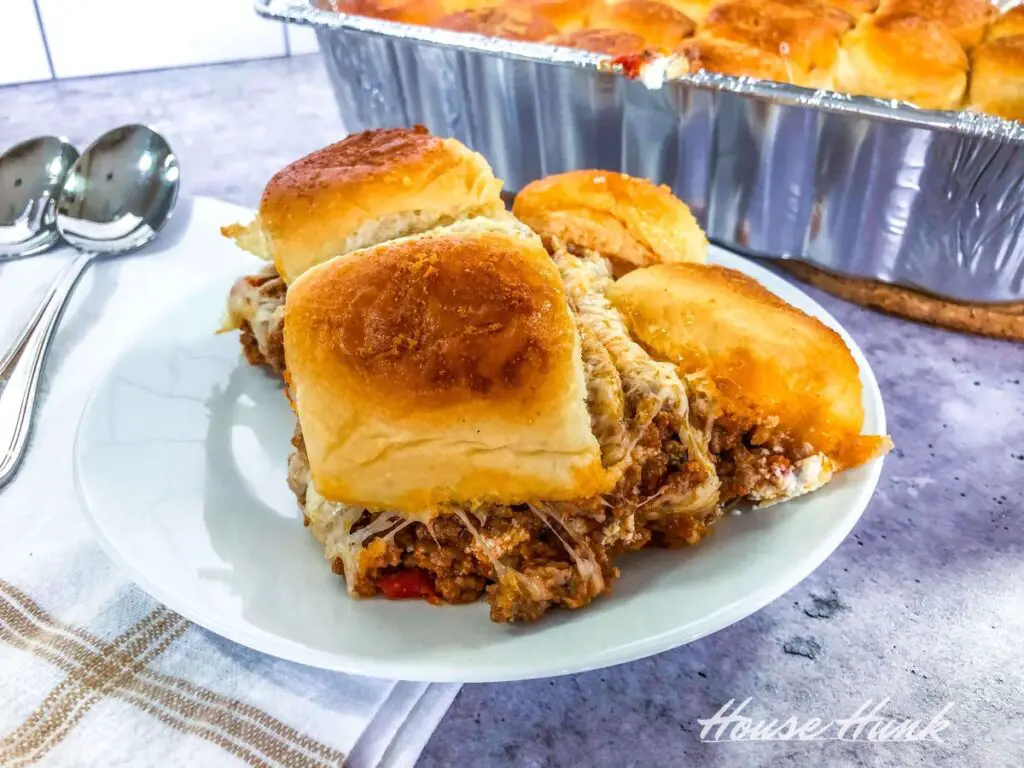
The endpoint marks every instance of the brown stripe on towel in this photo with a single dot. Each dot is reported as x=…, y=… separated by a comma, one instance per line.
x=31, y=608
x=205, y=698
x=96, y=669
x=89, y=679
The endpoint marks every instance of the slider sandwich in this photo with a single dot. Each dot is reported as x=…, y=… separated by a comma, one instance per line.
x=777, y=392
x=473, y=416
x=787, y=395
x=371, y=187
x=625, y=221
x=471, y=424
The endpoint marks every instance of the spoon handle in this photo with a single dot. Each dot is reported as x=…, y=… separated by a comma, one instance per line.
x=11, y=355
x=19, y=391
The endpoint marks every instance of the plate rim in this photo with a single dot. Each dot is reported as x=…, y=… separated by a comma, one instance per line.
x=447, y=671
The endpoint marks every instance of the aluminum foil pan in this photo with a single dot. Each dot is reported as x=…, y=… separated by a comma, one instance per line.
x=858, y=186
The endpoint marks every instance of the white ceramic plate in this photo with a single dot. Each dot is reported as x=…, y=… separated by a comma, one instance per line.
x=180, y=462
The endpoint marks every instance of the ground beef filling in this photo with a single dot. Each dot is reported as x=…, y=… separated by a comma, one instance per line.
x=666, y=469
x=749, y=459
x=255, y=306
x=273, y=358
x=537, y=569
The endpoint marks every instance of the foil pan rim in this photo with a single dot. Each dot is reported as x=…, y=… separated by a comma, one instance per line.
x=968, y=124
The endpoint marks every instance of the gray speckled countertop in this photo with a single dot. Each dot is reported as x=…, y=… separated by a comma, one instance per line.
x=923, y=603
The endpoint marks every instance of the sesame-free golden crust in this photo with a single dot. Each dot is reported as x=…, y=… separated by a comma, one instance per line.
x=630, y=221
x=566, y=15
x=441, y=368
x=695, y=10
x=904, y=57
x=770, y=363
x=856, y=8
x=659, y=24
x=997, y=78
x=831, y=12
x=1008, y=24
x=729, y=58
x=804, y=34
x=508, y=23
x=610, y=42
x=435, y=321
x=311, y=209
x=421, y=12
x=967, y=20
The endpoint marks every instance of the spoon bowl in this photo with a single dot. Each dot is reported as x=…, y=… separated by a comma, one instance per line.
x=120, y=193
x=31, y=176
x=117, y=196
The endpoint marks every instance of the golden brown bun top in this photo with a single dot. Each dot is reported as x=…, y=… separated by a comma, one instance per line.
x=441, y=368
x=805, y=34
x=432, y=321
x=610, y=42
x=659, y=24
x=906, y=57
x=770, y=15
x=630, y=221
x=728, y=58
x=457, y=6
x=566, y=15
x=966, y=19
x=695, y=10
x=771, y=364
x=1010, y=23
x=507, y=23
x=366, y=186
x=855, y=8
x=997, y=78
x=422, y=12
x=832, y=12
x=1006, y=56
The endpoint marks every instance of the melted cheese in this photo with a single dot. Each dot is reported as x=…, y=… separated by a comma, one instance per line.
x=606, y=401
x=248, y=303
x=803, y=477
x=580, y=552
x=502, y=572
x=651, y=386
x=331, y=524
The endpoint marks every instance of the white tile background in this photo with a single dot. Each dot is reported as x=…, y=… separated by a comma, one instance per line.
x=22, y=53
x=92, y=37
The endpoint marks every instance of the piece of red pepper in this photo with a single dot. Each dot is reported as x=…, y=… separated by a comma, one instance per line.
x=407, y=583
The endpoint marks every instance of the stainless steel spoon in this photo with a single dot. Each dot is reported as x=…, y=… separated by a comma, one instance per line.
x=31, y=175
x=116, y=198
